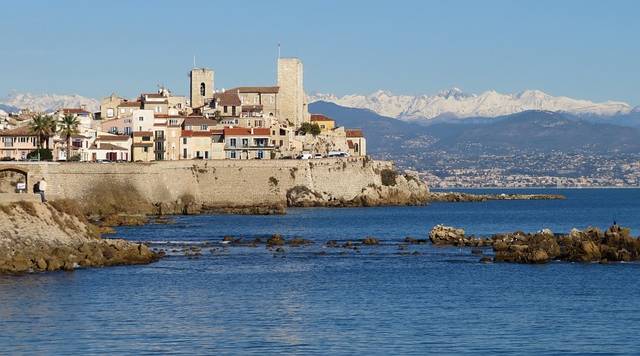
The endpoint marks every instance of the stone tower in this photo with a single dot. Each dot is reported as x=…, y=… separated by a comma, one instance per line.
x=201, y=87
x=291, y=97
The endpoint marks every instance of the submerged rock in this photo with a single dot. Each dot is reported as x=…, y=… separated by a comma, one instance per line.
x=370, y=241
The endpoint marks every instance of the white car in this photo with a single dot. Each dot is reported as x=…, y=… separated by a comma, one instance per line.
x=305, y=156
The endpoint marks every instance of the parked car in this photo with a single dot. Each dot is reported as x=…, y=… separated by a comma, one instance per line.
x=338, y=154
x=305, y=156
x=317, y=156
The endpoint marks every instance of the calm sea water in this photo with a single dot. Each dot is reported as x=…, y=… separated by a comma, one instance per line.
x=379, y=300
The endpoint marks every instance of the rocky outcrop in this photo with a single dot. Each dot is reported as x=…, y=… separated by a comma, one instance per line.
x=394, y=189
x=466, y=197
x=447, y=235
x=519, y=247
x=589, y=245
x=45, y=237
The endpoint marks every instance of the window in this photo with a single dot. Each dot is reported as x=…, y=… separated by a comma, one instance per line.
x=146, y=138
x=184, y=153
x=225, y=109
x=232, y=142
x=122, y=110
x=232, y=154
x=204, y=127
x=145, y=149
x=184, y=140
x=158, y=109
x=206, y=154
x=245, y=142
x=110, y=112
x=127, y=130
x=113, y=130
x=260, y=154
x=197, y=154
x=233, y=111
x=141, y=118
x=202, y=89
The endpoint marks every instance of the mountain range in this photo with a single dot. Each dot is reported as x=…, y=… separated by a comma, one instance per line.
x=456, y=104
x=46, y=102
x=532, y=131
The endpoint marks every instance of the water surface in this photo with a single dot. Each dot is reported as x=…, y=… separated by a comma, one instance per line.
x=315, y=300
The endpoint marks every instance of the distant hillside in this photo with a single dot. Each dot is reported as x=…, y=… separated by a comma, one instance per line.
x=538, y=131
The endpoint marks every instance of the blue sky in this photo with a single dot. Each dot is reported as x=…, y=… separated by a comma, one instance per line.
x=584, y=49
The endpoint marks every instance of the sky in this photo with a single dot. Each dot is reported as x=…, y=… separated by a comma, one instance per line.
x=582, y=49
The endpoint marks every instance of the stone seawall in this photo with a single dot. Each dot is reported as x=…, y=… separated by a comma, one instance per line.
x=178, y=185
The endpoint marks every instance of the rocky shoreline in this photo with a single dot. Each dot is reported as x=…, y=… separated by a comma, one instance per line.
x=467, y=197
x=590, y=245
x=56, y=236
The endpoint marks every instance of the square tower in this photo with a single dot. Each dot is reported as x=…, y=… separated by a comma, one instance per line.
x=291, y=97
x=201, y=88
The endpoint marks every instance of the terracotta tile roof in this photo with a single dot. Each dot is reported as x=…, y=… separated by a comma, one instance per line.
x=320, y=117
x=354, y=133
x=198, y=121
x=227, y=98
x=165, y=116
x=261, y=90
x=18, y=131
x=189, y=133
x=135, y=104
x=114, y=138
x=142, y=133
x=350, y=144
x=243, y=131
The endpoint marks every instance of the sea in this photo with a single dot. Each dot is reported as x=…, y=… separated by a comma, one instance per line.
x=206, y=297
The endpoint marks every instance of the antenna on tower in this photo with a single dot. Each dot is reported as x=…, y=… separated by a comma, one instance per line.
x=194, y=61
x=278, y=50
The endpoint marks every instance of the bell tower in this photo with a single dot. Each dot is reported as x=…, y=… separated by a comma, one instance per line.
x=201, y=88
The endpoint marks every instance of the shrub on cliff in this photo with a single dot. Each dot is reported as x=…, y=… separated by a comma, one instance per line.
x=308, y=127
x=388, y=177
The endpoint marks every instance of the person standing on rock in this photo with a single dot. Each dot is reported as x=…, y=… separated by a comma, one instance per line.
x=42, y=187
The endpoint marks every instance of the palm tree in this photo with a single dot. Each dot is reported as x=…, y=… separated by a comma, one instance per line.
x=41, y=126
x=69, y=127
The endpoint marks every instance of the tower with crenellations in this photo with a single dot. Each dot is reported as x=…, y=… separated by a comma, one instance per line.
x=291, y=98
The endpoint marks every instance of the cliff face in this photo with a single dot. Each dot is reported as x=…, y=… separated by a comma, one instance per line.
x=393, y=189
x=39, y=237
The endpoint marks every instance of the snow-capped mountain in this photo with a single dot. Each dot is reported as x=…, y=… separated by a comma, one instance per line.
x=49, y=102
x=455, y=103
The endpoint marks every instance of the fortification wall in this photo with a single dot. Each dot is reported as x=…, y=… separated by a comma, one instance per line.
x=223, y=183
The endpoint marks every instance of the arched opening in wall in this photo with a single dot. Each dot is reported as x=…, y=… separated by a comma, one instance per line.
x=202, y=89
x=11, y=179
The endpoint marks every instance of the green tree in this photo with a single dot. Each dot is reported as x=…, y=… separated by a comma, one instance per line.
x=308, y=127
x=43, y=126
x=69, y=127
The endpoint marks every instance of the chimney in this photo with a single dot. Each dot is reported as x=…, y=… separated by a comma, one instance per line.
x=252, y=130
